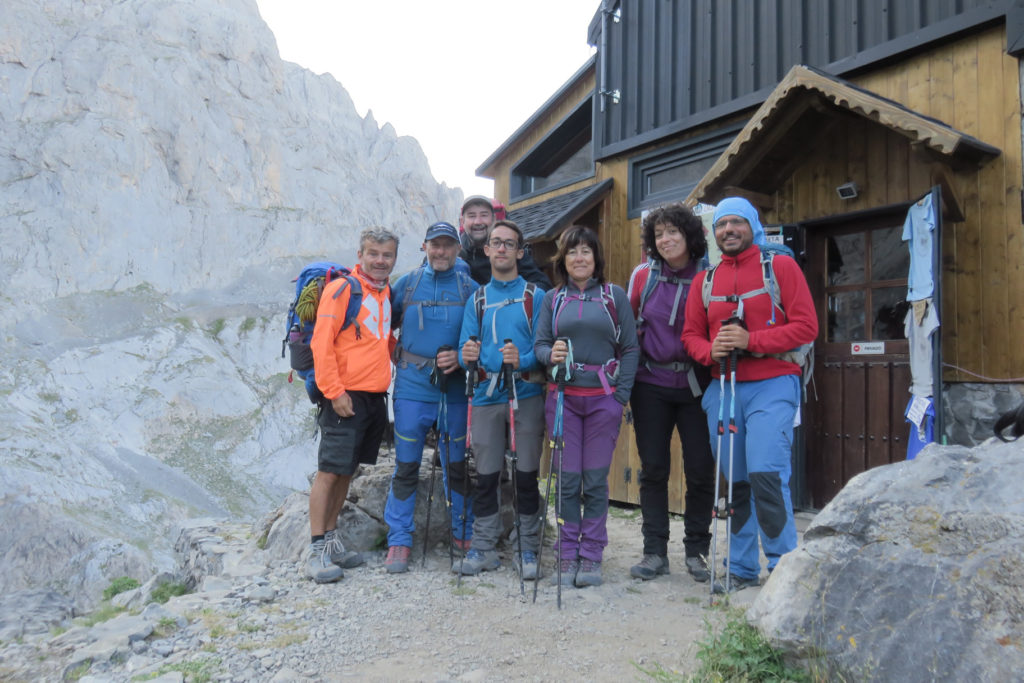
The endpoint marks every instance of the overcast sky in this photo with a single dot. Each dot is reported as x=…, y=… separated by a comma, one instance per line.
x=460, y=76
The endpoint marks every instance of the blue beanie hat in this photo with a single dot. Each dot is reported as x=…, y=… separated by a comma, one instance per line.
x=738, y=206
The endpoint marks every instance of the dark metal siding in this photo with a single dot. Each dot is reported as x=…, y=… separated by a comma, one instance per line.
x=682, y=63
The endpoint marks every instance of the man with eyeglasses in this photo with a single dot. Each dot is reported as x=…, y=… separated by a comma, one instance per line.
x=741, y=324
x=498, y=331
x=476, y=220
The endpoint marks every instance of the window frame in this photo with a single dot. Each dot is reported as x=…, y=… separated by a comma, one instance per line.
x=567, y=130
x=643, y=166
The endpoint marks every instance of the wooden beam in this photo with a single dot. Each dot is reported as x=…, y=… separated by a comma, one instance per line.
x=952, y=206
x=762, y=201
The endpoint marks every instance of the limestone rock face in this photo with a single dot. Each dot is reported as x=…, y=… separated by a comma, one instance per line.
x=913, y=572
x=164, y=176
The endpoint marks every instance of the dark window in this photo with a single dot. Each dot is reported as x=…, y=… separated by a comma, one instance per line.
x=668, y=174
x=866, y=285
x=565, y=156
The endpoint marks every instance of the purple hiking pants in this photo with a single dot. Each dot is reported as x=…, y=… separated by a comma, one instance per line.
x=590, y=426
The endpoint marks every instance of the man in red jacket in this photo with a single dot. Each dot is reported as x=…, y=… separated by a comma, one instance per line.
x=353, y=371
x=741, y=316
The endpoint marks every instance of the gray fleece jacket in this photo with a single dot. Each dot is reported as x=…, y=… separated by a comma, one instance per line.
x=585, y=320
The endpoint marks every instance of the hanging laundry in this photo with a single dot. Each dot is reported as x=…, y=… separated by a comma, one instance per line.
x=918, y=230
x=920, y=414
x=919, y=325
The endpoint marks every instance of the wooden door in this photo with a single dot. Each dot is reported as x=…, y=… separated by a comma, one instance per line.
x=857, y=272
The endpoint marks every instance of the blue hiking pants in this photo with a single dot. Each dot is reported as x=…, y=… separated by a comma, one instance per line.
x=413, y=419
x=761, y=466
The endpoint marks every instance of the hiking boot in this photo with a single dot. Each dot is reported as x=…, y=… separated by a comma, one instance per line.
x=528, y=565
x=736, y=583
x=589, y=573
x=569, y=569
x=477, y=561
x=336, y=549
x=319, y=566
x=698, y=568
x=397, y=561
x=461, y=545
x=650, y=567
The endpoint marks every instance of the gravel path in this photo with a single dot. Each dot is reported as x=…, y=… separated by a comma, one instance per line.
x=277, y=625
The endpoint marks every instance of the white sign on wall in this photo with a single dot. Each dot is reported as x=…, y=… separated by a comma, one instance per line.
x=867, y=348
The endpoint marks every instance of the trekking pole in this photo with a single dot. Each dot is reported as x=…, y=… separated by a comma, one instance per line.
x=510, y=386
x=723, y=369
x=440, y=379
x=732, y=445
x=470, y=390
x=430, y=496
x=557, y=444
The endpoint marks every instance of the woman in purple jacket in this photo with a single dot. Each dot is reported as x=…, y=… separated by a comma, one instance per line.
x=666, y=394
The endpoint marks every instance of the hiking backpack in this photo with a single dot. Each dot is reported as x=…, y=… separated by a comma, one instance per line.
x=802, y=355
x=309, y=286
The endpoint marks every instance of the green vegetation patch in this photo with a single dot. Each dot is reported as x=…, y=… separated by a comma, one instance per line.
x=166, y=591
x=119, y=585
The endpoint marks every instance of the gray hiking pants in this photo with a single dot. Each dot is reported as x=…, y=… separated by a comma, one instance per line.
x=490, y=427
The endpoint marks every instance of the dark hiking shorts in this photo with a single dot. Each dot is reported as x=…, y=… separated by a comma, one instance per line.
x=347, y=442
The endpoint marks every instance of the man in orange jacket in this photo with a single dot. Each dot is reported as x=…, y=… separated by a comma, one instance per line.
x=353, y=371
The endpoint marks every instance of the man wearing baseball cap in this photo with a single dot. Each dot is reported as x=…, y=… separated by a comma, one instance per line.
x=427, y=310
x=477, y=217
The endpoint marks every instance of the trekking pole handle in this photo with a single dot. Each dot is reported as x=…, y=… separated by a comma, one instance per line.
x=506, y=368
x=442, y=376
x=562, y=378
x=471, y=375
x=734, y=319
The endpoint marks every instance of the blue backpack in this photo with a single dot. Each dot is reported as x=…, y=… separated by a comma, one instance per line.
x=309, y=285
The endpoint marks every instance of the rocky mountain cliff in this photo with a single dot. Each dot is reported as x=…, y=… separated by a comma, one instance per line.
x=163, y=176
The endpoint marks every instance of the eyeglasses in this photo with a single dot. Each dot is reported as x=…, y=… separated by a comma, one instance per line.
x=508, y=244
x=729, y=221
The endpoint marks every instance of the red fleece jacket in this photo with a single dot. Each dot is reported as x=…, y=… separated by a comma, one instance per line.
x=738, y=275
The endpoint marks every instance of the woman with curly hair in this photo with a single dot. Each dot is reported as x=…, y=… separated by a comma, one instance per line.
x=667, y=391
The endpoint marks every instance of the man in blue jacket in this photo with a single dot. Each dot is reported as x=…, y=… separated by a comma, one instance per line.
x=428, y=309
x=507, y=308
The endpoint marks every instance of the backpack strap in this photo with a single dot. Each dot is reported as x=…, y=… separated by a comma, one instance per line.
x=769, y=286
x=355, y=302
x=410, y=290
x=607, y=299
x=653, y=277
x=481, y=306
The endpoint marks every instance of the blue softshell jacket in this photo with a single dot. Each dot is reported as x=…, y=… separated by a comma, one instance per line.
x=425, y=326
x=500, y=323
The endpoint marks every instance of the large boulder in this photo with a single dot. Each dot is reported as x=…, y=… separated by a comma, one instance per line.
x=913, y=572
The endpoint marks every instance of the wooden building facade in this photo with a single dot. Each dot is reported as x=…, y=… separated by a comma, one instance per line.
x=786, y=104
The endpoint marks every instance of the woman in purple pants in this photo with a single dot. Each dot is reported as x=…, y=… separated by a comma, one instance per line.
x=586, y=323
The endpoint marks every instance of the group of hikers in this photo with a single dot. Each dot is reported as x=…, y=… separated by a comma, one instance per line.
x=491, y=355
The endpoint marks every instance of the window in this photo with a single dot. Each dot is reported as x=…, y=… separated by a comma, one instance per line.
x=866, y=285
x=668, y=174
x=565, y=156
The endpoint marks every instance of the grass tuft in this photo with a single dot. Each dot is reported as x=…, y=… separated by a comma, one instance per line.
x=119, y=585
